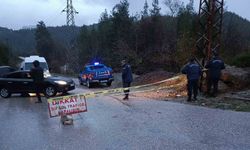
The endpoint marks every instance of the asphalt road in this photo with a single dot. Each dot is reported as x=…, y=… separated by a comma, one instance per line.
x=113, y=124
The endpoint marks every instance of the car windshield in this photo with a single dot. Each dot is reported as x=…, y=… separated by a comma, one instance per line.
x=96, y=67
x=43, y=65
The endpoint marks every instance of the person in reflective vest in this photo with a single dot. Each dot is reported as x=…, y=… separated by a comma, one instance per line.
x=127, y=77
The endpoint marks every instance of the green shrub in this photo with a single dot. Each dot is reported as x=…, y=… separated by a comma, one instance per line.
x=242, y=60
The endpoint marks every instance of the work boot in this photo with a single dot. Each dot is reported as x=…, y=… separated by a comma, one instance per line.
x=126, y=97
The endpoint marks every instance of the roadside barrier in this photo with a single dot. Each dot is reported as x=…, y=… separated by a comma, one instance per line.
x=168, y=83
x=76, y=103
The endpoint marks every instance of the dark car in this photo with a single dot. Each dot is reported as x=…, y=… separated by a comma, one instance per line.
x=96, y=73
x=21, y=82
x=6, y=69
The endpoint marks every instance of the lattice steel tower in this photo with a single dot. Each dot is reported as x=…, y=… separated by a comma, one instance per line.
x=70, y=10
x=210, y=27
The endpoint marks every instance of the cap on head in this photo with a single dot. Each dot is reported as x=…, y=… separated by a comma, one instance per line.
x=36, y=63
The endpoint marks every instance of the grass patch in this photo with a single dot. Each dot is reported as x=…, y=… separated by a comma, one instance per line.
x=225, y=104
x=242, y=60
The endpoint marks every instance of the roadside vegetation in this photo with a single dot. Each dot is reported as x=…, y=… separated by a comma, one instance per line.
x=150, y=40
x=242, y=60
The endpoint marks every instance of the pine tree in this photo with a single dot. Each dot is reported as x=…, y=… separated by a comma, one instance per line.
x=145, y=10
x=156, y=9
x=190, y=6
x=104, y=16
x=44, y=42
x=174, y=6
x=123, y=34
x=4, y=54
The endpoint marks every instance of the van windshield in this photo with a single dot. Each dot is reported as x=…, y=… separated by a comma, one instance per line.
x=43, y=65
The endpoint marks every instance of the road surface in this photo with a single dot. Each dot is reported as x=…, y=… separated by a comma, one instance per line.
x=113, y=124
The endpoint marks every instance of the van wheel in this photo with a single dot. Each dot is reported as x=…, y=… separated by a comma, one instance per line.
x=50, y=91
x=5, y=93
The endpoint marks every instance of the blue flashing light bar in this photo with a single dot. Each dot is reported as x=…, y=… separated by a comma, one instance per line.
x=96, y=63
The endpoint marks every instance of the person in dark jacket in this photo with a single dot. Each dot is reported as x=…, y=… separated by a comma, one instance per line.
x=127, y=77
x=214, y=66
x=193, y=72
x=37, y=76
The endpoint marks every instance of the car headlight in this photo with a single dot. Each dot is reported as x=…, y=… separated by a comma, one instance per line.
x=46, y=74
x=61, y=82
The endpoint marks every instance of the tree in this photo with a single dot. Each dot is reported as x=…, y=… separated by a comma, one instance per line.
x=122, y=31
x=105, y=39
x=144, y=13
x=174, y=6
x=121, y=22
x=190, y=6
x=4, y=54
x=186, y=32
x=104, y=16
x=85, y=45
x=44, y=42
x=156, y=9
x=233, y=39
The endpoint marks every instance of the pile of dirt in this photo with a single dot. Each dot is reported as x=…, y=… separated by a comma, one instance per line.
x=173, y=87
x=237, y=78
x=152, y=77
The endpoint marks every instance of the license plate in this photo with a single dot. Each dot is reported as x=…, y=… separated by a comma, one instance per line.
x=104, y=81
x=72, y=84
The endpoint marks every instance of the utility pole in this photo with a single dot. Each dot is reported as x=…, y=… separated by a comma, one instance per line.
x=209, y=34
x=70, y=10
x=210, y=27
x=71, y=53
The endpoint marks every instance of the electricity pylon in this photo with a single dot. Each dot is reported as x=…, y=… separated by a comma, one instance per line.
x=70, y=10
x=210, y=23
x=210, y=28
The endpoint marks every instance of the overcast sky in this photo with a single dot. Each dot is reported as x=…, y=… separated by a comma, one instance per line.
x=16, y=14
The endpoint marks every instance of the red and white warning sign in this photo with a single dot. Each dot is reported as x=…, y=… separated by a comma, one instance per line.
x=67, y=105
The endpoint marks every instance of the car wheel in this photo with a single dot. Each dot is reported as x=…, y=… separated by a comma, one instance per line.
x=50, y=91
x=5, y=93
x=88, y=84
x=109, y=83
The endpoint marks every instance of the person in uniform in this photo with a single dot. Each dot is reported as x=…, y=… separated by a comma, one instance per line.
x=214, y=66
x=193, y=72
x=127, y=77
